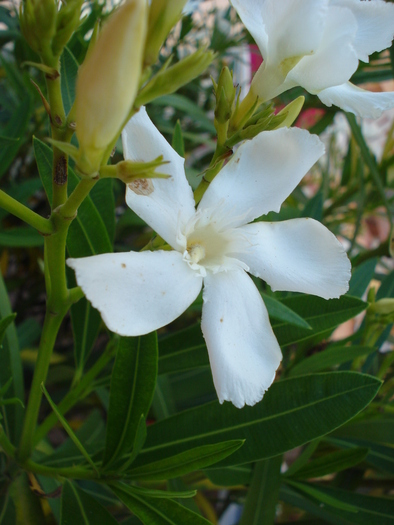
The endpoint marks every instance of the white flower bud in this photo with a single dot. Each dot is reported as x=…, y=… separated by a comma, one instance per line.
x=108, y=81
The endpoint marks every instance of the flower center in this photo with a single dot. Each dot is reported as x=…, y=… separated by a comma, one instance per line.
x=196, y=252
x=208, y=242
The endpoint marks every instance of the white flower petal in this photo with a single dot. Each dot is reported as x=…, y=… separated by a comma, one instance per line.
x=335, y=61
x=356, y=100
x=251, y=14
x=243, y=351
x=375, y=21
x=262, y=173
x=299, y=255
x=171, y=199
x=137, y=293
x=294, y=27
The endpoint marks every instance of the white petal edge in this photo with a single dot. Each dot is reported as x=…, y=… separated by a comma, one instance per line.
x=171, y=202
x=137, y=293
x=262, y=173
x=375, y=21
x=243, y=351
x=250, y=12
x=359, y=101
x=298, y=255
x=335, y=61
x=294, y=28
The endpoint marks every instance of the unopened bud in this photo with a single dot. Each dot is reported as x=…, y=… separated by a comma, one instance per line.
x=163, y=15
x=169, y=79
x=38, y=24
x=225, y=92
x=383, y=307
x=67, y=21
x=108, y=81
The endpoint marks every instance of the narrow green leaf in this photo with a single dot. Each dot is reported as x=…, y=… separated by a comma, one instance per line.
x=314, y=207
x=301, y=500
x=189, y=107
x=21, y=237
x=168, y=494
x=292, y=412
x=303, y=458
x=132, y=387
x=177, y=140
x=11, y=367
x=69, y=430
x=7, y=510
x=369, y=160
x=262, y=497
x=4, y=324
x=230, y=476
x=185, y=462
x=139, y=440
x=322, y=315
x=15, y=129
x=91, y=434
x=329, y=357
x=279, y=311
x=68, y=71
x=368, y=509
x=79, y=508
x=329, y=463
x=156, y=511
x=379, y=429
x=380, y=456
x=361, y=277
x=183, y=350
x=321, y=496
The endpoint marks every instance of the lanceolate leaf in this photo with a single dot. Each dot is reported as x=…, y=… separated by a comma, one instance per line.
x=132, y=386
x=185, y=462
x=68, y=70
x=156, y=511
x=380, y=456
x=329, y=357
x=11, y=367
x=333, y=462
x=364, y=509
x=262, y=497
x=277, y=310
x=322, y=315
x=183, y=350
x=79, y=508
x=378, y=429
x=292, y=412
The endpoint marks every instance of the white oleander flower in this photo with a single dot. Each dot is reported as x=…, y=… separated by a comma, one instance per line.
x=317, y=44
x=214, y=247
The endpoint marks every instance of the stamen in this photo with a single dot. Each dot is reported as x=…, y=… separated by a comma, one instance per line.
x=196, y=252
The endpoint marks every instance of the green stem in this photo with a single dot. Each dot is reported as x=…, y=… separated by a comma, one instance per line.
x=69, y=209
x=60, y=132
x=56, y=472
x=76, y=394
x=50, y=329
x=25, y=214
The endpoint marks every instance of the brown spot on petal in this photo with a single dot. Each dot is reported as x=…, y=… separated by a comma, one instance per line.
x=123, y=265
x=221, y=320
x=141, y=186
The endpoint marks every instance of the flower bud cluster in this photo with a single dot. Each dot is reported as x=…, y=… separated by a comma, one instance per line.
x=47, y=28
